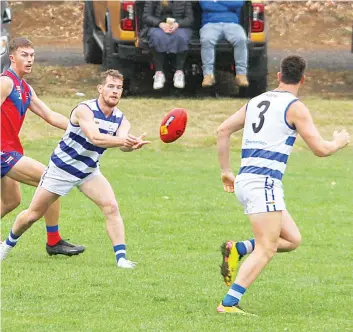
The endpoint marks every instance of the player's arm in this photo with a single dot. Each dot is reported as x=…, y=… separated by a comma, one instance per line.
x=299, y=117
x=124, y=130
x=84, y=117
x=55, y=119
x=226, y=129
x=6, y=88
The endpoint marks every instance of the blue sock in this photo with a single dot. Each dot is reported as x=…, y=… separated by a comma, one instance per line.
x=245, y=247
x=234, y=295
x=120, y=251
x=12, y=239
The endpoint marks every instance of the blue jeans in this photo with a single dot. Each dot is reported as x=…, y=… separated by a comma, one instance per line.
x=234, y=33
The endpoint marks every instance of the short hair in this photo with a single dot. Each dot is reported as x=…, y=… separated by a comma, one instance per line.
x=292, y=69
x=111, y=72
x=19, y=42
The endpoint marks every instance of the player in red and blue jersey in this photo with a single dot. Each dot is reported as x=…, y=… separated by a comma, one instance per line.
x=17, y=96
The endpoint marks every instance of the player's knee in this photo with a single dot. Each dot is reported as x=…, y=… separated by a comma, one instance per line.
x=267, y=251
x=13, y=204
x=110, y=208
x=297, y=240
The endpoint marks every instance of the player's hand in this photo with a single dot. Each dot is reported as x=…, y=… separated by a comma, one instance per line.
x=342, y=138
x=228, y=180
x=140, y=142
x=130, y=141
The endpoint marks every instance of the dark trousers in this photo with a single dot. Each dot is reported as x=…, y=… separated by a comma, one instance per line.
x=159, y=58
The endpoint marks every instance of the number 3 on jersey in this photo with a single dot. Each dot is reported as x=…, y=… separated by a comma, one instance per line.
x=266, y=105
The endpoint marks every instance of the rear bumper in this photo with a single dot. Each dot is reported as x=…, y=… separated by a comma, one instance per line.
x=143, y=54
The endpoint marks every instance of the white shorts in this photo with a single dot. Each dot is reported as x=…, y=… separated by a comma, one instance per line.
x=260, y=194
x=58, y=182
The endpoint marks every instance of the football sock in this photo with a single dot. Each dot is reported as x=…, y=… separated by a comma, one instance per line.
x=12, y=239
x=53, y=236
x=120, y=251
x=234, y=295
x=245, y=247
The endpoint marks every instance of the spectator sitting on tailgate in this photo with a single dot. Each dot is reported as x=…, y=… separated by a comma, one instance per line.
x=220, y=19
x=169, y=32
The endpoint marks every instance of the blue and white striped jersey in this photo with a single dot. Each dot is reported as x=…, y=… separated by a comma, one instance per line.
x=75, y=153
x=268, y=139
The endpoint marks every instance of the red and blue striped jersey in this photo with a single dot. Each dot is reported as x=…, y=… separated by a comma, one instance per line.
x=13, y=111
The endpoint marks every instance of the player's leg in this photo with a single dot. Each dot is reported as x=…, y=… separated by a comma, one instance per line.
x=10, y=195
x=267, y=229
x=232, y=253
x=98, y=189
x=29, y=171
x=41, y=201
x=10, y=189
x=290, y=237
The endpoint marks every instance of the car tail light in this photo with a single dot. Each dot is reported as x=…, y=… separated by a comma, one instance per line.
x=127, y=15
x=258, y=18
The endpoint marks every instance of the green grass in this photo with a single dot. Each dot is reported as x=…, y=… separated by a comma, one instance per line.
x=176, y=215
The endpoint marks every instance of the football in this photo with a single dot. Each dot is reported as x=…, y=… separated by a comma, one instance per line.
x=173, y=125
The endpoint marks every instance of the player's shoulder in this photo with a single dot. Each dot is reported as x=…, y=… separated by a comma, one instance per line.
x=297, y=104
x=82, y=107
x=297, y=110
x=6, y=80
x=7, y=85
x=90, y=102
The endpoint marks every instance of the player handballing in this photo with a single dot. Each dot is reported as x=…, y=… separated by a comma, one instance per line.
x=16, y=97
x=271, y=122
x=95, y=125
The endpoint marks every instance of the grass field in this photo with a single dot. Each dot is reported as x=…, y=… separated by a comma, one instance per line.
x=176, y=216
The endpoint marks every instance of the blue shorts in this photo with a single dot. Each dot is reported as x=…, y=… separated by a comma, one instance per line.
x=9, y=160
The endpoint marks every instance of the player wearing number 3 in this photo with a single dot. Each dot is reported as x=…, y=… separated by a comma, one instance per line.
x=271, y=122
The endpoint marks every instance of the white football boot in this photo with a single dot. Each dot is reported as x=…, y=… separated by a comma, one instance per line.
x=126, y=264
x=4, y=250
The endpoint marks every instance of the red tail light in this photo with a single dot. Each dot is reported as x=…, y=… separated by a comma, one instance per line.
x=258, y=18
x=127, y=16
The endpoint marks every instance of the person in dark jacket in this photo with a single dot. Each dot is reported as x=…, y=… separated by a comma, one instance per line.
x=220, y=19
x=169, y=32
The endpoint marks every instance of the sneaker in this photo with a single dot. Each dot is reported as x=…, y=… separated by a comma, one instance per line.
x=159, y=80
x=235, y=309
x=208, y=80
x=242, y=81
x=179, y=79
x=230, y=261
x=65, y=248
x=4, y=250
x=126, y=264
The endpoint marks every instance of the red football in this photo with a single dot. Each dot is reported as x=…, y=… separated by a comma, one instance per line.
x=173, y=125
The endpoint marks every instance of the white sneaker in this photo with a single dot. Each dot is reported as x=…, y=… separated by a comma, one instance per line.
x=179, y=79
x=159, y=80
x=126, y=264
x=4, y=250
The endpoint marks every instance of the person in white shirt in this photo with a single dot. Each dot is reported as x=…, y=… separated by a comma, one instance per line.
x=94, y=126
x=271, y=122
